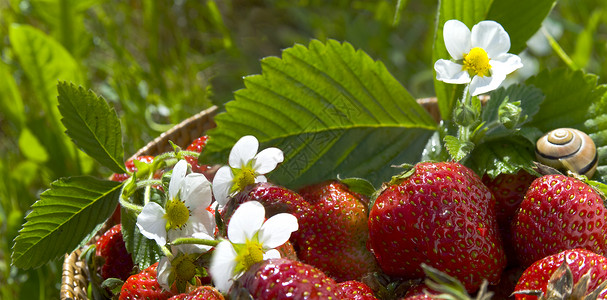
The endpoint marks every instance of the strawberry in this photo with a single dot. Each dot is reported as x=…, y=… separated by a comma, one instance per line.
x=418, y=292
x=559, y=213
x=282, y=278
x=440, y=214
x=333, y=232
x=509, y=191
x=197, y=146
x=355, y=290
x=118, y=263
x=143, y=285
x=579, y=261
x=202, y=292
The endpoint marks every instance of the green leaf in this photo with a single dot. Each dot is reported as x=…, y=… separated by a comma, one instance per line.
x=66, y=213
x=569, y=98
x=92, y=124
x=585, y=40
x=331, y=109
x=45, y=61
x=507, y=155
x=457, y=148
x=530, y=99
x=520, y=18
x=359, y=185
x=31, y=148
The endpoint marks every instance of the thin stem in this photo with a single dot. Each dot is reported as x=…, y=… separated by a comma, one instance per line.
x=186, y=240
x=167, y=252
x=128, y=205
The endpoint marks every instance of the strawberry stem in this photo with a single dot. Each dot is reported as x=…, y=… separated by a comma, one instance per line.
x=185, y=240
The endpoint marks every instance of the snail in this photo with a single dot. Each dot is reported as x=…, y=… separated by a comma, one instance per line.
x=568, y=149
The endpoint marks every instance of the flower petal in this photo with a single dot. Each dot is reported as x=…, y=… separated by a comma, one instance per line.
x=152, y=224
x=492, y=37
x=222, y=266
x=243, y=151
x=267, y=159
x=245, y=222
x=196, y=191
x=480, y=85
x=261, y=178
x=277, y=230
x=177, y=177
x=457, y=38
x=222, y=183
x=272, y=253
x=450, y=72
x=164, y=271
x=506, y=64
x=203, y=221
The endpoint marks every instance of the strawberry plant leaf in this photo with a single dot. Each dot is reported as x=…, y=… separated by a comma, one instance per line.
x=65, y=214
x=144, y=251
x=359, y=185
x=331, y=109
x=92, y=124
x=457, y=148
x=530, y=99
x=506, y=155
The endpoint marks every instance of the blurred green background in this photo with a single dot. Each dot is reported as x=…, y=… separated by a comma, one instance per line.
x=159, y=62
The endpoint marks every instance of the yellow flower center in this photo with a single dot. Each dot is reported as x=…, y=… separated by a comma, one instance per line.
x=176, y=213
x=476, y=62
x=248, y=255
x=242, y=178
x=184, y=267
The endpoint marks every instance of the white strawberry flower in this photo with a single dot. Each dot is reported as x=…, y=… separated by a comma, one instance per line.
x=184, y=213
x=246, y=167
x=180, y=268
x=480, y=55
x=250, y=240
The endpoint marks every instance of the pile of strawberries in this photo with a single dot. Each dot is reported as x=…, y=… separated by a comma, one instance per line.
x=516, y=232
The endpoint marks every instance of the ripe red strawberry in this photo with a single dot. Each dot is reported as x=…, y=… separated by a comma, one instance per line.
x=580, y=262
x=118, y=263
x=442, y=215
x=143, y=285
x=204, y=292
x=417, y=292
x=197, y=146
x=509, y=191
x=283, y=278
x=355, y=290
x=333, y=232
x=559, y=213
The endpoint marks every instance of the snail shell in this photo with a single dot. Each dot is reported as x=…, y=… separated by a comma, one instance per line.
x=568, y=149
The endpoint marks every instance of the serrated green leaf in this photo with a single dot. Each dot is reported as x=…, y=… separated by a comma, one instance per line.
x=569, y=97
x=507, y=155
x=64, y=215
x=457, y=148
x=92, y=124
x=529, y=96
x=331, y=109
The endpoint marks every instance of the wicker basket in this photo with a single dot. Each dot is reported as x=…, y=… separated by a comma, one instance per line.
x=75, y=274
x=74, y=278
